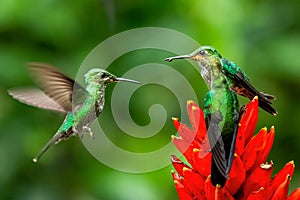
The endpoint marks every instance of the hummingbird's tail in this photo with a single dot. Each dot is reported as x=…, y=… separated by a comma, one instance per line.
x=56, y=138
x=268, y=96
x=265, y=102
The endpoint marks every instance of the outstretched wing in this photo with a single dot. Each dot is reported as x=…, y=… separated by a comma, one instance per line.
x=241, y=85
x=35, y=97
x=56, y=85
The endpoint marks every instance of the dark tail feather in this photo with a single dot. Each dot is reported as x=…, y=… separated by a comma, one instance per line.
x=268, y=96
x=266, y=105
x=217, y=177
x=49, y=144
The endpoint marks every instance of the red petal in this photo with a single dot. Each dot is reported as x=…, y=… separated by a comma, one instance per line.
x=219, y=195
x=184, y=131
x=194, y=183
x=175, y=123
x=176, y=176
x=185, y=143
x=280, y=177
x=185, y=148
x=295, y=195
x=240, y=140
x=222, y=194
x=282, y=191
x=237, y=175
x=189, y=155
x=266, y=148
x=250, y=153
x=201, y=164
x=205, y=146
x=180, y=144
x=247, y=126
x=260, y=177
x=196, y=117
x=258, y=195
x=182, y=193
x=194, y=113
x=209, y=189
x=259, y=145
x=178, y=165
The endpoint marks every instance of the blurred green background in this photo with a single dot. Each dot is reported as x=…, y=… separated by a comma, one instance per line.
x=263, y=37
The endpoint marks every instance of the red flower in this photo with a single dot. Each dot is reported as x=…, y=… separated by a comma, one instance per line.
x=250, y=175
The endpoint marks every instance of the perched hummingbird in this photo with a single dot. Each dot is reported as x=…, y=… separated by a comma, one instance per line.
x=237, y=78
x=61, y=93
x=221, y=112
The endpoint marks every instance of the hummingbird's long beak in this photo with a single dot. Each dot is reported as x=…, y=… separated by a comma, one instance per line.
x=127, y=80
x=177, y=57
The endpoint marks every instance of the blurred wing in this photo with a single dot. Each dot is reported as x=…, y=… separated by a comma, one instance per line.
x=37, y=98
x=56, y=85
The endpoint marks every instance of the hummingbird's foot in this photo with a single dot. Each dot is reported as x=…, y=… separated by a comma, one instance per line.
x=75, y=130
x=88, y=130
x=242, y=112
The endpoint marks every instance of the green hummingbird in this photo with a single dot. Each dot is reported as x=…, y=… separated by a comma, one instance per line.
x=237, y=78
x=221, y=112
x=62, y=94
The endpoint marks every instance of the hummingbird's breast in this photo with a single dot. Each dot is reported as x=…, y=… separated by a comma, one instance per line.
x=206, y=75
x=211, y=71
x=92, y=109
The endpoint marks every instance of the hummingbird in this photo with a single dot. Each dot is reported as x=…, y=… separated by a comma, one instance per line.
x=237, y=78
x=221, y=113
x=221, y=107
x=62, y=94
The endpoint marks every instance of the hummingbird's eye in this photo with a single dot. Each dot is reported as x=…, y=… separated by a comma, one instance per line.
x=102, y=75
x=202, y=52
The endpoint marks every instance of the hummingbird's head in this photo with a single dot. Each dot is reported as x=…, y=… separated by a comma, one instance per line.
x=208, y=59
x=202, y=55
x=103, y=77
x=205, y=53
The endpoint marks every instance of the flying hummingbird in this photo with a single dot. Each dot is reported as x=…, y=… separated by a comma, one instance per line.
x=61, y=93
x=237, y=78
